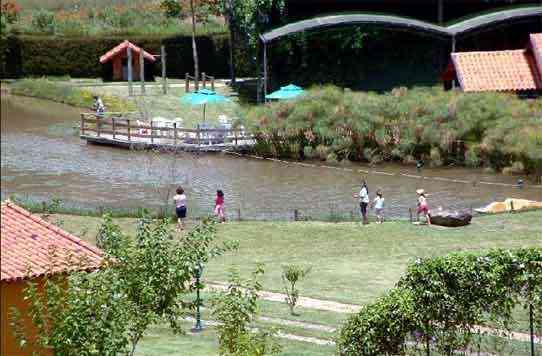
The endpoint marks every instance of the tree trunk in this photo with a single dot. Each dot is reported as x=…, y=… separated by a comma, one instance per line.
x=232, y=33
x=194, y=49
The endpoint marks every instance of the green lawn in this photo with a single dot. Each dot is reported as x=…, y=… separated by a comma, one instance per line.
x=350, y=263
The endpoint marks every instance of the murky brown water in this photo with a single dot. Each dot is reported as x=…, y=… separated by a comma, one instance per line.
x=42, y=158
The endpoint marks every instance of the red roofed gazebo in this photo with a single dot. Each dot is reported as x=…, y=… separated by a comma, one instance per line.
x=26, y=245
x=118, y=56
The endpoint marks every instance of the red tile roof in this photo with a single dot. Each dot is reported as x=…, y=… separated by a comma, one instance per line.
x=536, y=46
x=497, y=71
x=123, y=47
x=27, y=242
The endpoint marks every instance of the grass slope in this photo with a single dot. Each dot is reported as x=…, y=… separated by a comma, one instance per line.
x=351, y=263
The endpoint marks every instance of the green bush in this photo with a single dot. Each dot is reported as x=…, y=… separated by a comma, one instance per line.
x=79, y=56
x=441, y=300
x=407, y=125
x=44, y=21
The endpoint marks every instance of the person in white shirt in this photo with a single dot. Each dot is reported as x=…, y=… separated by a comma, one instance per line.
x=180, y=207
x=378, y=204
x=363, y=201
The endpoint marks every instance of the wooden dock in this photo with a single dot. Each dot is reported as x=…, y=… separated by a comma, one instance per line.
x=125, y=131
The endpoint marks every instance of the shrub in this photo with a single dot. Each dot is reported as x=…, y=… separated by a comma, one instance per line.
x=516, y=168
x=235, y=309
x=443, y=299
x=471, y=157
x=291, y=274
x=321, y=152
x=436, y=159
x=44, y=21
x=308, y=152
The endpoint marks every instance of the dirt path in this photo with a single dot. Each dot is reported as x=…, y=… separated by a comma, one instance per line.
x=302, y=301
x=282, y=335
x=337, y=307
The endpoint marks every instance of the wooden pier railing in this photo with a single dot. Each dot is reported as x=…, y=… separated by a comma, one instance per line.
x=133, y=130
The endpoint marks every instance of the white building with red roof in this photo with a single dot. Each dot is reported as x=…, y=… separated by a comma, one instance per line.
x=32, y=248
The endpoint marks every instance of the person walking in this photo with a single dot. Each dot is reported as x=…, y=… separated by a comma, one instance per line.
x=363, y=201
x=423, y=206
x=219, y=206
x=378, y=204
x=98, y=106
x=180, y=207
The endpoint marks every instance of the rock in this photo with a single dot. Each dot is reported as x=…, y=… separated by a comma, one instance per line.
x=451, y=218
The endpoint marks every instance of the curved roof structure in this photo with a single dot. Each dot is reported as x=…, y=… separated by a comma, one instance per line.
x=456, y=29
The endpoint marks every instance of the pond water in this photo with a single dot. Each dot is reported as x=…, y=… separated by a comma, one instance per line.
x=43, y=158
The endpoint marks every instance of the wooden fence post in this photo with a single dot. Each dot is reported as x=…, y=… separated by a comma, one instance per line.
x=114, y=126
x=186, y=83
x=239, y=214
x=142, y=71
x=130, y=89
x=511, y=206
x=235, y=137
x=128, y=129
x=152, y=134
x=175, y=133
x=198, y=135
x=98, y=126
x=410, y=214
x=296, y=215
x=82, y=129
x=164, y=75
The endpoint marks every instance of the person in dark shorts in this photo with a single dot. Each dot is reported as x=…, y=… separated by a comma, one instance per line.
x=180, y=207
x=363, y=201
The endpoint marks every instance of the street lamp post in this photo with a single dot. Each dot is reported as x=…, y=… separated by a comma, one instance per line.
x=198, y=327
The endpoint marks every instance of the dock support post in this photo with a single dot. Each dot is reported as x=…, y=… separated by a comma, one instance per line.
x=164, y=76
x=264, y=72
x=198, y=134
x=82, y=129
x=152, y=134
x=204, y=79
x=175, y=133
x=98, y=126
x=142, y=71
x=128, y=129
x=114, y=127
x=130, y=89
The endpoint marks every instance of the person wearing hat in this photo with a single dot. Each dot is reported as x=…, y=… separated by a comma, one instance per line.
x=423, y=206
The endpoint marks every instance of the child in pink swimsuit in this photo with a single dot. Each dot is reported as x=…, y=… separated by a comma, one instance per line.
x=219, y=206
x=423, y=206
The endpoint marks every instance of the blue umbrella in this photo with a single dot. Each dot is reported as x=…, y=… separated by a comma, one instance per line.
x=203, y=97
x=288, y=92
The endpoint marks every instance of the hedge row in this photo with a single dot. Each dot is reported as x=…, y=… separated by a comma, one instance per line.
x=79, y=57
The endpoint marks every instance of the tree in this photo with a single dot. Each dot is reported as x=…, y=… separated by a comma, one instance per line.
x=108, y=311
x=235, y=309
x=291, y=274
x=85, y=314
x=194, y=49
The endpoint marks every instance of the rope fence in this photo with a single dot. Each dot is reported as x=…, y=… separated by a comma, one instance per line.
x=407, y=175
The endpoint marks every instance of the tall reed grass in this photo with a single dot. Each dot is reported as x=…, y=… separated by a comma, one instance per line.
x=405, y=125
